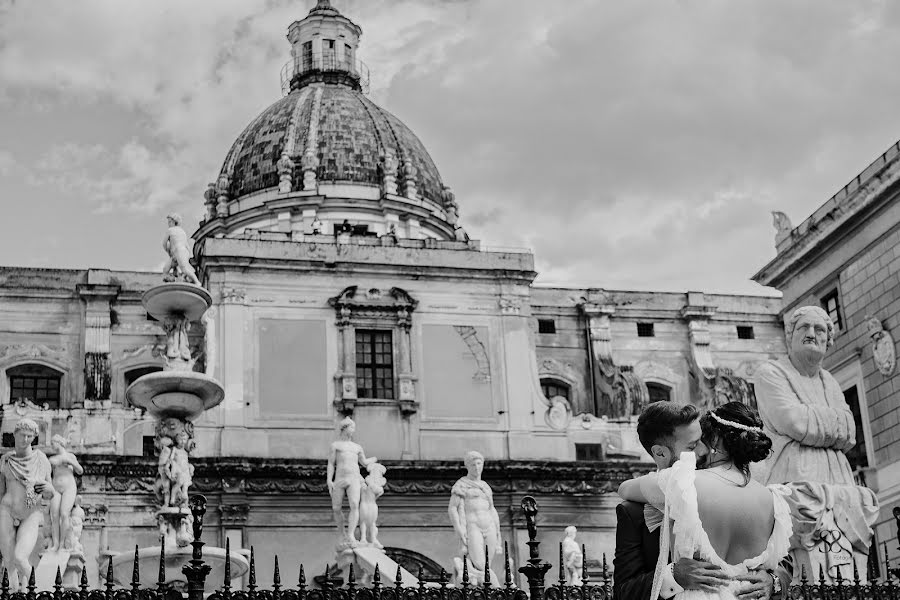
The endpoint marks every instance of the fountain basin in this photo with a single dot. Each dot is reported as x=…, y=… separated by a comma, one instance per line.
x=182, y=394
x=176, y=298
x=176, y=558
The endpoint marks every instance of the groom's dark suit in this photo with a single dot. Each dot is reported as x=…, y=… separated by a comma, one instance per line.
x=637, y=550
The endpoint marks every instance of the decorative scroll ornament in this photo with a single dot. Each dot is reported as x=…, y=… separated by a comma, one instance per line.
x=882, y=346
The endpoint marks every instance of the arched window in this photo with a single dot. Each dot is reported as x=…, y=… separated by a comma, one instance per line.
x=36, y=383
x=412, y=561
x=553, y=388
x=135, y=374
x=658, y=392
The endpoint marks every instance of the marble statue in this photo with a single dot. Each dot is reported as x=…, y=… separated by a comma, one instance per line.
x=344, y=479
x=372, y=489
x=176, y=471
x=317, y=226
x=573, y=558
x=25, y=478
x=475, y=519
x=76, y=519
x=178, y=347
x=176, y=245
x=804, y=412
x=782, y=225
x=65, y=467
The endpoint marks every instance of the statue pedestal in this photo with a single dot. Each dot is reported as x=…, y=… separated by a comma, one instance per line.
x=364, y=560
x=69, y=563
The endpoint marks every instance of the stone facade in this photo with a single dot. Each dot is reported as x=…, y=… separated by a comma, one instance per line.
x=844, y=258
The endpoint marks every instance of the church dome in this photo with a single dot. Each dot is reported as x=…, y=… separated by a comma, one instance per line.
x=325, y=154
x=349, y=134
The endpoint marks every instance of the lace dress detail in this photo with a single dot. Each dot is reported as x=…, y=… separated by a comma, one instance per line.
x=689, y=537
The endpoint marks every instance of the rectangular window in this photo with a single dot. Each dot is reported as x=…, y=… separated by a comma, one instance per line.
x=546, y=326
x=148, y=445
x=306, y=56
x=745, y=332
x=857, y=455
x=37, y=389
x=374, y=364
x=588, y=451
x=645, y=330
x=328, y=54
x=832, y=305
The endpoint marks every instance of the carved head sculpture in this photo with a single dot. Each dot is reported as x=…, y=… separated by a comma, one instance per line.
x=571, y=531
x=810, y=331
x=174, y=219
x=474, y=462
x=59, y=443
x=24, y=432
x=347, y=426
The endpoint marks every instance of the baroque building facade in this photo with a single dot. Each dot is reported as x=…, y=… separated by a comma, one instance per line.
x=343, y=284
x=844, y=257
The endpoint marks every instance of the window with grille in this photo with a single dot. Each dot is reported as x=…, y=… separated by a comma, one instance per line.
x=645, y=330
x=546, y=326
x=36, y=383
x=745, y=332
x=831, y=304
x=588, y=451
x=328, y=54
x=374, y=364
x=658, y=392
x=553, y=388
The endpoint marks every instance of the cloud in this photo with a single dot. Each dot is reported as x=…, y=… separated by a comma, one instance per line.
x=7, y=162
x=630, y=144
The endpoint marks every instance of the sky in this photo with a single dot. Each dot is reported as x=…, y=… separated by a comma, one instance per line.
x=630, y=145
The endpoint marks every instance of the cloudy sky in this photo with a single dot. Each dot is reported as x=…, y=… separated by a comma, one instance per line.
x=635, y=144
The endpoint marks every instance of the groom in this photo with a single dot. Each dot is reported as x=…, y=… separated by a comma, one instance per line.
x=667, y=429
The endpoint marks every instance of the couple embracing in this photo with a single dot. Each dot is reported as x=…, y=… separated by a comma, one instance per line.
x=700, y=527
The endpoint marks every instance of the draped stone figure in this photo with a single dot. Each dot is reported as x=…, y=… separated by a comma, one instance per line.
x=25, y=478
x=811, y=426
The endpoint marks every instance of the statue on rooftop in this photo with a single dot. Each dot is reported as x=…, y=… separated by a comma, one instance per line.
x=176, y=245
x=25, y=477
x=782, y=225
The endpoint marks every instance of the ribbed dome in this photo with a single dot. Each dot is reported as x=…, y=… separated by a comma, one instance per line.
x=350, y=137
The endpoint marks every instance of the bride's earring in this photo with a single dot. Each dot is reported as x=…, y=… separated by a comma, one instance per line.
x=713, y=451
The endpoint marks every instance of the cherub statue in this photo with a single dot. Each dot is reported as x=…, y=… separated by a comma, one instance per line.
x=73, y=542
x=176, y=245
x=368, y=509
x=176, y=472
x=573, y=558
x=65, y=466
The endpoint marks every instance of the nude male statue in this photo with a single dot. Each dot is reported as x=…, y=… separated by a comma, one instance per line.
x=176, y=245
x=474, y=517
x=25, y=477
x=344, y=478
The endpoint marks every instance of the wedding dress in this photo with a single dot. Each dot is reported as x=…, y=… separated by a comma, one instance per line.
x=689, y=538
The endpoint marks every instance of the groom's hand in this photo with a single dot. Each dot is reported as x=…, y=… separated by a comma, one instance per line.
x=693, y=574
x=756, y=585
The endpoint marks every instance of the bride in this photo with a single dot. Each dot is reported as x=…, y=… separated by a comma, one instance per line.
x=719, y=513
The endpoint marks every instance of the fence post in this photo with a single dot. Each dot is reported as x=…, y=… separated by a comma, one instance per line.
x=197, y=570
x=536, y=569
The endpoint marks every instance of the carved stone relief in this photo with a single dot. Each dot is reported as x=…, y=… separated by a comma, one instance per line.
x=882, y=346
x=470, y=336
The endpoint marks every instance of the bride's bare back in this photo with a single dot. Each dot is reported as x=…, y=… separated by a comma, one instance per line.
x=738, y=520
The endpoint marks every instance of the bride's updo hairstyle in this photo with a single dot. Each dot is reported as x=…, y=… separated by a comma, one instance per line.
x=740, y=430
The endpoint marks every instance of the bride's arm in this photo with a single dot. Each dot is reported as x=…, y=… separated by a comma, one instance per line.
x=644, y=489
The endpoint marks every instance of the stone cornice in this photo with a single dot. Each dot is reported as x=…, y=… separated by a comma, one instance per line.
x=278, y=476
x=867, y=192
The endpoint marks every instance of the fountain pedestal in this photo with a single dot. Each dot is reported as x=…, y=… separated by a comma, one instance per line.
x=175, y=396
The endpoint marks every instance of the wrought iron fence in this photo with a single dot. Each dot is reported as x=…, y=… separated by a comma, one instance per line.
x=535, y=570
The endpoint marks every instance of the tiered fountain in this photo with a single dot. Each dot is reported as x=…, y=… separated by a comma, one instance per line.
x=175, y=396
